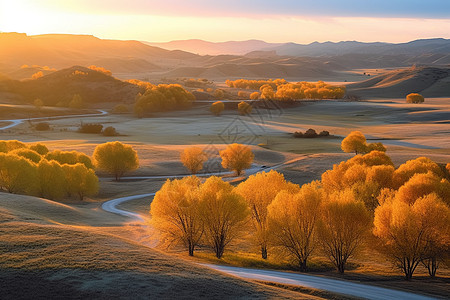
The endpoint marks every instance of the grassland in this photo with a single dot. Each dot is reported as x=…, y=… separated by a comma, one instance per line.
x=76, y=249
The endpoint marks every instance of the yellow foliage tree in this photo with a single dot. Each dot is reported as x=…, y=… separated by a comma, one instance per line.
x=193, y=159
x=175, y=212
x=69, y=157
x=81, y=181
x=412, y=232
x=223, y=213
x=219, y=94
x=354, y=142
x=52, y=180
x=259, y=191
x=414, y=98
x=244, y=108
x=38, y=103
x=18, y=175
x=37, y=75
x=39, y=148
x=237, y=157
x=27, y=153
x=292, y=221
x=116, y=158
x=217, y=108
x=343, y=225
x=254, y=96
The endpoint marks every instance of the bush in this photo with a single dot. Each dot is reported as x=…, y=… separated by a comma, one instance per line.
x=414, y=98
x=43, y=126
x=110, y=131
x=217, y=108
x=90, y=128
x=298, y=134
x=310, y=133
x=324, y=133
x=120, y=109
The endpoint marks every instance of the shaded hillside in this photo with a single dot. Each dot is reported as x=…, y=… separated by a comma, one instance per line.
x=63, y=50
x=429, y=81
x=61, y=86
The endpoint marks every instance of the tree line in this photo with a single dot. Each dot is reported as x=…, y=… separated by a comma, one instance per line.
x=280, y=89
x=403, y=212
x=32, y=169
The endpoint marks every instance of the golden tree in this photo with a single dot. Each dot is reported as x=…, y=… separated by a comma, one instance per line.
x=343, y=225
x=193, y=159
x=39, y=148
x=415, y=166
x=223, y=213
x=244, y=108
x=354, y=142
x=292, y=221
x=27, y=153
x=219, y=94
x=70, y=157
x=38, y=103
x=81, y=181
x=237, y=157
x=259, y=191
x=217, y=108
x=413, y=232
x=254, y=96
x=18, y=175
x=52, y=180
x=414, y=98
x=175, y=212
x=116, y=158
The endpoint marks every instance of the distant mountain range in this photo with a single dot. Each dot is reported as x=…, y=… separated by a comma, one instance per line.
x=231, y=60
x=438, y=46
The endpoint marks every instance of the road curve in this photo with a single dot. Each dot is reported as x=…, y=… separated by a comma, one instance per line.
x=15, y=122
x=110, y=206
x=315, y=282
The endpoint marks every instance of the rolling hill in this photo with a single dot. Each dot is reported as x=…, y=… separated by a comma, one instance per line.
x=429, y=81
x=60, y=86
x=64, y=50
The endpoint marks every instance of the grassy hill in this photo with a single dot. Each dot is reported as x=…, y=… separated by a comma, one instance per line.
x=44, y=257
x=429, y=81
x=61, y=86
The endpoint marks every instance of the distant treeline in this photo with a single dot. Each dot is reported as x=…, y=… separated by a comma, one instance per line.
x=280, y=89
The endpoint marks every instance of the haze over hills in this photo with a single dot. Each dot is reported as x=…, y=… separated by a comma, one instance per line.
x=343, y=61
x=417, y=47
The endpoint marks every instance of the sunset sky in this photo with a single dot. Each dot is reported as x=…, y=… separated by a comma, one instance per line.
x=273, y=21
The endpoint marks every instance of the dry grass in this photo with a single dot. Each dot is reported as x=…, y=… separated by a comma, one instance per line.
x=55, y=261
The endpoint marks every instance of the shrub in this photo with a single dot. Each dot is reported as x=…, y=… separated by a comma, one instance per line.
x=217, y=108
x=310, y=133
x=298, y=134
x=414, y=98
x=110, y=131
x=90, y=128
x=120, y=109
x=43, y=126
x=244, y=108
x=324, y=133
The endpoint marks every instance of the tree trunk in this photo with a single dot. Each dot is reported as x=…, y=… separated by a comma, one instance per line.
x=191, y=249
x=303, y=267
x=264, y=252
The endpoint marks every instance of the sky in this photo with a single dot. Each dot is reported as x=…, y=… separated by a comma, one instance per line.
x=299, y=21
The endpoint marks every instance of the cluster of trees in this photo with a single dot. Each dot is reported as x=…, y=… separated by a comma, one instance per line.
x=254, y=84
x=235, y=157
x=280, y=89
x=163, y=97
x=101, y=70
x=309, y=90
x=404, y=212
x=34, y=170
x=414, y=98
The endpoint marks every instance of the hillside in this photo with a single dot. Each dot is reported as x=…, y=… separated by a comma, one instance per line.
x=64, y=50
x=60, y=86
x=42, y=257
x=428, y=81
